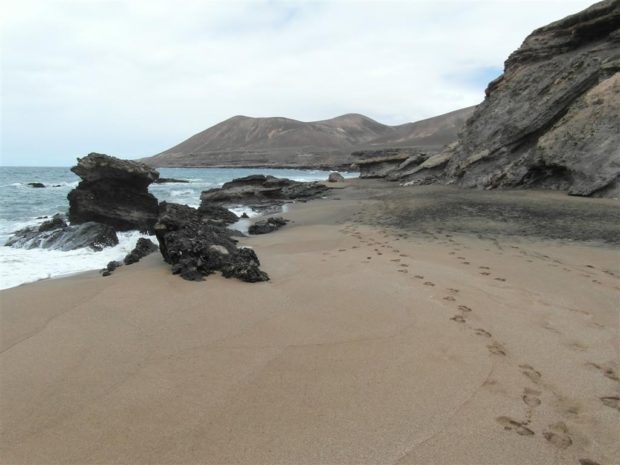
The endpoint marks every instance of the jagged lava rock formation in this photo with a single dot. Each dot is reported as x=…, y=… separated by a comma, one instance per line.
x=551, y=120
x=113, y=192
x=197, y=248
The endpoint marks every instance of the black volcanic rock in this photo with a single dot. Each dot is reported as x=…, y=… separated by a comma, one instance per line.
x=551, y=120
x=261, y=190
x=36, y=185
x=216, y=214
x=57, y=235
x=197, y=248
x=113, y=192
x=267, y=226
x=143, y=248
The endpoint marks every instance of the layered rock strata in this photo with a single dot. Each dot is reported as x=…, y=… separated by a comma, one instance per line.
x=551, y=120
x=113, y=192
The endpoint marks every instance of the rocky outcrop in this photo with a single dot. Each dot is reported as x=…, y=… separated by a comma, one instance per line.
x=113, y=192
x=195, y=248
x=216, y=214
x=260, y=190
x=56, y=234
x=382, y=163
x=143, y=248
x=551, y=120
x=268, y=225
x=36, y=185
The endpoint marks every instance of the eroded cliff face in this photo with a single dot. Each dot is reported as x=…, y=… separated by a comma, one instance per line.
x=552, y=120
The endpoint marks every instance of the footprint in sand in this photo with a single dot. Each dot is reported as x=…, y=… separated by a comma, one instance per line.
x=428, y=283
x=403, y=271
x=404, y=265
x=464, y=308
x=458, y=318
x=418, y=276
x=484, y=267
x=453, y=291
x=531, y=373
x=500, y=279
x=588, y=462
x=608, y=372
x=465, y=263
x=612, y=402
x=513, y=425
x=461, y=258
x=449, y=298
x=496, y=348
x=530, y=397
x=395, y=260
x=485, y=273
x=482, y=332
x=557, y=434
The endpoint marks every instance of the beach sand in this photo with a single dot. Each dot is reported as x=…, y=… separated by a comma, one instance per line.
x=397, y=328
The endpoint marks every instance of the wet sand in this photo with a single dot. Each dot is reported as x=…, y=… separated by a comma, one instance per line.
x=398, y=328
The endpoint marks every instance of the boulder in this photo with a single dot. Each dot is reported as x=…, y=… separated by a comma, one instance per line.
x=335, y=177
x=267, y=226
x=551, y=120
x=216, y=214
x=260, y=190
x=36, y=185
x=143, y=248
x=113, y=192
x=57, y=235
x=197, y=248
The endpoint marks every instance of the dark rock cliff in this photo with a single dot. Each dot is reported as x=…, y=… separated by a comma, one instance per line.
x=551, y=120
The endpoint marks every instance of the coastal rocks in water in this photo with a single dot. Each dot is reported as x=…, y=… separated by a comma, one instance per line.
x=113, y=192
x=216, y=214
x=57, y=235
x=169, y=180
x=143, y=248
x=36, y=185
x=196, y=248
x=262, y=190
x=551, y=120
x=335, y=177
x=267, y=226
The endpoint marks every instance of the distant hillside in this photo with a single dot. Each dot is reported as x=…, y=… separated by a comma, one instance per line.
x=284, y=142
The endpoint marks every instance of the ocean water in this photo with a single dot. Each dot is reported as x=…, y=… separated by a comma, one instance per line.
x=22, y=205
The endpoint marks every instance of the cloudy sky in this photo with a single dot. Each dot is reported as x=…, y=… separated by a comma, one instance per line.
x=134, y=77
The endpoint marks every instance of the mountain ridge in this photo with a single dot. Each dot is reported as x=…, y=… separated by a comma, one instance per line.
x=285, y=142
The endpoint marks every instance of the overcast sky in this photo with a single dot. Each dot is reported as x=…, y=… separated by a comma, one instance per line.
x=132, y=78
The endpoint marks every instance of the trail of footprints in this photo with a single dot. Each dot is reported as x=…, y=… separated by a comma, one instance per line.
x=556, y=434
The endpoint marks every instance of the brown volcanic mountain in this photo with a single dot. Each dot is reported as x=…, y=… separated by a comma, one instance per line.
x=284, y=142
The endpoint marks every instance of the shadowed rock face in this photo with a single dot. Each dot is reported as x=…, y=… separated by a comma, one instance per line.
x=113, y=192
x=551, y=120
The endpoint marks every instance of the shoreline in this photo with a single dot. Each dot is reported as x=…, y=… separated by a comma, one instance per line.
x=374, y=342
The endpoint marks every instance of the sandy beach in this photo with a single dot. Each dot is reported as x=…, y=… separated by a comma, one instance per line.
x=419, y=325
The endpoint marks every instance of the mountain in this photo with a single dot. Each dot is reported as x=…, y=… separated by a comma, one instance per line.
x=284, y=142
x=550, y=121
